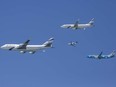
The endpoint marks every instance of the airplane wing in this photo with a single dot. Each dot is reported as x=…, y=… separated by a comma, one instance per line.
x=11, y=48
x=100, y=55
x=23, y=46
x=76, y=24
x=26, y=43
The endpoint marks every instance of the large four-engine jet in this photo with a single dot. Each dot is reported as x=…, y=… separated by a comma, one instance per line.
x=24, y=47
x=100, y=56
x=79, y=26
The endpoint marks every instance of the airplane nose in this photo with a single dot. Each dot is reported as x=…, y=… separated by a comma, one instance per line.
x=62, y=26
x=2, y=47
x=88, y=56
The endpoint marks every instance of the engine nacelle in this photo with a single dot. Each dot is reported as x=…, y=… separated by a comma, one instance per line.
x=32, y=52
x=22, y=51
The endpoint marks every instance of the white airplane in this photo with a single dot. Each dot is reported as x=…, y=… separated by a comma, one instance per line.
x=24, y=47
x=79, y=26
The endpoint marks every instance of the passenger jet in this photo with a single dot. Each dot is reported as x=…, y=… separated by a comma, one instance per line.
x=24, y=47
x=79, y=26
x=100, y=56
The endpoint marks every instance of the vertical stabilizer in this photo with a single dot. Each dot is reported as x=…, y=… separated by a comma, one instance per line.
x=49, y=42
x=92, y=21
x=112, y=54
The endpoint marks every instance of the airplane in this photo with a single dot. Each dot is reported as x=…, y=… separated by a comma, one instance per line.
x=24, y=47
x=72, y=43
x=100, y=56
x=79, y=26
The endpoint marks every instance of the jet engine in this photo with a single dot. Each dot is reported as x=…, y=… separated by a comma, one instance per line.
x=32, y=52
x=22, y=51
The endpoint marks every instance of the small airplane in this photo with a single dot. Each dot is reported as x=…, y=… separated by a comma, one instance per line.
x=24, y=47
x=100, y=56
x=79, y=26
x=72, y=43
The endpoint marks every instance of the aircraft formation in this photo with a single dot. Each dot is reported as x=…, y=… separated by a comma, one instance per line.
x=25, y=47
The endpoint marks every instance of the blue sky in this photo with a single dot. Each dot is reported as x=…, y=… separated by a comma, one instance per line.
x=63, y=66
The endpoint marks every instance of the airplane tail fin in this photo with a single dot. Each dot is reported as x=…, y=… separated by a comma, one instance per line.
x=49, y=42
x=113, y=53
x=92, y=21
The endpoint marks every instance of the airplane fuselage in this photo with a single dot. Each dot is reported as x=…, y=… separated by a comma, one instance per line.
x=100, y=57
x=79, y=26
x=29, y=48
